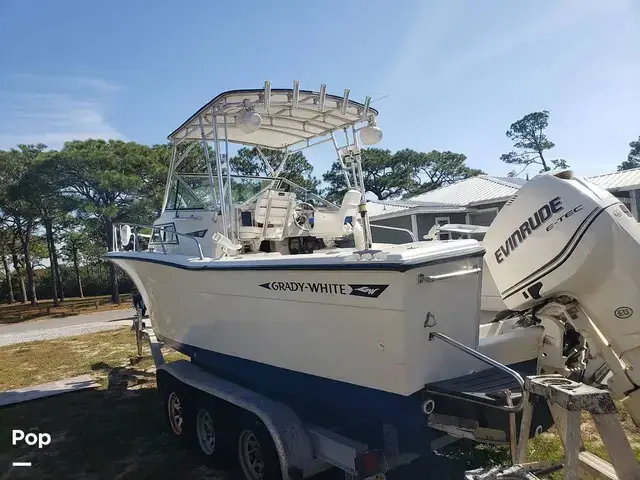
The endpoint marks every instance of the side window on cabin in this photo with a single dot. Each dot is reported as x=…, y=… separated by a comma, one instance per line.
x=164, y=232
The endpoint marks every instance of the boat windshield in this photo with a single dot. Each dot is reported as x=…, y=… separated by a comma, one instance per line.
x=194, y=192
x=189, y=193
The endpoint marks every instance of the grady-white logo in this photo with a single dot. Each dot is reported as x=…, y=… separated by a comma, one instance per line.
x=371, y=291
x=368, y=290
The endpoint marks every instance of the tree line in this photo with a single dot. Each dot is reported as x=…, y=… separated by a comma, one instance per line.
x=61, y=205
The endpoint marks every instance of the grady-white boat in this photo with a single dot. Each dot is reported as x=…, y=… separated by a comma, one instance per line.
x=271, y=286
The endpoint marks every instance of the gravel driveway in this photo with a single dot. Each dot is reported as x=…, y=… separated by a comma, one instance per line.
x=51, y=328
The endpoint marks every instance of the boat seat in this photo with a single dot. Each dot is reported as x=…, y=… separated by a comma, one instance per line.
x=331, y=224
x=273, y=212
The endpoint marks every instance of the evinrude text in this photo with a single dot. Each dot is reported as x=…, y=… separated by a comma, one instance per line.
x=539, y=217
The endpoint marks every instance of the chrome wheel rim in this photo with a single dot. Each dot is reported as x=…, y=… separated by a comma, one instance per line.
x=174, y=407
x=206, y=432
x=251, y=459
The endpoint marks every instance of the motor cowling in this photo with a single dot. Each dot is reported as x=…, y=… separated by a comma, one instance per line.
x=562, y=236
x=545, y=234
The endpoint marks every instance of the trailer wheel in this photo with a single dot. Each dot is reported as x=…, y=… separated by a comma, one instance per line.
x=212, y=437
x=176, y=409
x=206, y=434
x=257, y=454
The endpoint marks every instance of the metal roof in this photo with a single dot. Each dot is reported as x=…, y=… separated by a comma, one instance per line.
x=511, y=180
x=624, y=180
x=472, y=191
x=379, y=210
x=376, y=207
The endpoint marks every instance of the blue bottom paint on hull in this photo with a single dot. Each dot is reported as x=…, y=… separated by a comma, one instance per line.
x=352, y=410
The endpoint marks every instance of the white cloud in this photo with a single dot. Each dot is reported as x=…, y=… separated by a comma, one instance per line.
x=57, y=115
x=435, y=49
x=95, y=83
x=525, y=36
x=90, y=83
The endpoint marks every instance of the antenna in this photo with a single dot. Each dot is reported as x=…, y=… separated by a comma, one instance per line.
x=379, y=98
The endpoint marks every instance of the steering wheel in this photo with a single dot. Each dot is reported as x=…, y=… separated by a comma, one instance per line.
x=301, y=213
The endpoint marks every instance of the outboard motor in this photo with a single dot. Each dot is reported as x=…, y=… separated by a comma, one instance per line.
x=563, y=240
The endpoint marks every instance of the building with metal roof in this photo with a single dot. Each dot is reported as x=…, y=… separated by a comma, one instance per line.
x=476, y=201
x=393, y=208
x=473, y=191
x=625, y=185
x=624, y=180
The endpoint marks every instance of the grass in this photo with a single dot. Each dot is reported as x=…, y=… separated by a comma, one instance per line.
x=100, y=354
x=117, y=431
x=547, y=446
x=18, y=312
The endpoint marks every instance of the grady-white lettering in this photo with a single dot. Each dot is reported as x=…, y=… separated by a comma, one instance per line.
x=359, y=290
x=335, y=288
x=539, y=217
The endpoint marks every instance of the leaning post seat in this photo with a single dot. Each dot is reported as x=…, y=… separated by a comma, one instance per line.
x=272, y=214
x=331, y=224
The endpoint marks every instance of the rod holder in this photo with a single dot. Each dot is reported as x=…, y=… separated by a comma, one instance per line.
x=296, y=94
x=322, y=97
x=345, y=102
x=267, y=96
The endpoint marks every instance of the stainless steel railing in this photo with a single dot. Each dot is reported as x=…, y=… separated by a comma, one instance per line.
x=422, y=278
x=490, y=361
x=137, y=226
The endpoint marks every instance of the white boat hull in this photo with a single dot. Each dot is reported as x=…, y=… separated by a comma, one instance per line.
x=361, y=325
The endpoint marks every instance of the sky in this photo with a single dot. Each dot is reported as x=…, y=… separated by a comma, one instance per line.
x=454, y=74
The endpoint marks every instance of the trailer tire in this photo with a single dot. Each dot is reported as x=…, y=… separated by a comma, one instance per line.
x=176, y=409
x=257, y=454
x=212, y=437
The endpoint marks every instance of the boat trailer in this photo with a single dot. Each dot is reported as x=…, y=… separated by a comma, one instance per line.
x=303, y=450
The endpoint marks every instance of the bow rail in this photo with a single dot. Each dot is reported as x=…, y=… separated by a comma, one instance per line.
x=120, y=227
